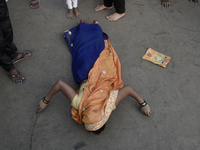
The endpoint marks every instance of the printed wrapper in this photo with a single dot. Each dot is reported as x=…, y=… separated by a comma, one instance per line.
x=156, y=57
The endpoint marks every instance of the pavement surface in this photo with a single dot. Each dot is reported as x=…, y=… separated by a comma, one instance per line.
x=172, y=92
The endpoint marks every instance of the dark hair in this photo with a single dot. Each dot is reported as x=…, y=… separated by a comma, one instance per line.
x=100, y=130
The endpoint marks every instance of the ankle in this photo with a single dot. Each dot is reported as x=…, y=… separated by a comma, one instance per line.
x=14, y=71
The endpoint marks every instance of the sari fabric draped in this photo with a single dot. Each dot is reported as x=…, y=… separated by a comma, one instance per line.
x=103, y=77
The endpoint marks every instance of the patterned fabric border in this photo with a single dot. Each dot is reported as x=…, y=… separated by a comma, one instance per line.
x=109, y=108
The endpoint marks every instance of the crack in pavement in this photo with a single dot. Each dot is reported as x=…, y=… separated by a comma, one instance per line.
x=31, y=136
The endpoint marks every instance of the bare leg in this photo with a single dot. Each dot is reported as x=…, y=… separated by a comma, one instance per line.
x=59, y=86
x=166, y=3
x=77, y=12
x=70, y=14
x=127, y=90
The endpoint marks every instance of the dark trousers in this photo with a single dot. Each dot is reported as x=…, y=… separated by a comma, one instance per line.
x=118, y=4
x=7, y=47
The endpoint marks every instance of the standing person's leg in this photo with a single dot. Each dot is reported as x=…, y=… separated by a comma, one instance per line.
x=7, y=47
x=70, y=13
x=107, y=4
x=119, y=6
x=120, y=10
x=5, y=61
x=76, y=11
x=6, y=31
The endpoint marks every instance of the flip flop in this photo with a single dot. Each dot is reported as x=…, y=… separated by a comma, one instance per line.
x=16, y=76
x=35, y=4
x=23, y=56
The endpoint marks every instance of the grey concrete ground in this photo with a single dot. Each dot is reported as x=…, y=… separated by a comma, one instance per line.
x=172, y=92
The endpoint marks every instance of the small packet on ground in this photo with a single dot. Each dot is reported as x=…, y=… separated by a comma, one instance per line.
x=156, y=57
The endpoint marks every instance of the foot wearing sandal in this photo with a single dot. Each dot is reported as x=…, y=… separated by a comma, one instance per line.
x=16, y=76
x=35, y=4
x=115, y=16
x=77, y=12
x=70, y=14
x=22, y=55
x=102, y=7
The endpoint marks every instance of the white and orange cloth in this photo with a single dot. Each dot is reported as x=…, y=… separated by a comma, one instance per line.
x=100, y=90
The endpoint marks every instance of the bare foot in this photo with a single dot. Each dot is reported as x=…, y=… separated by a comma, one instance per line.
x=166, y=3
x=115, y=16
x=196, y=1
x=101, y=7
x=22, y=55
x=16, y=76
x=77, y=12
x=70, y=14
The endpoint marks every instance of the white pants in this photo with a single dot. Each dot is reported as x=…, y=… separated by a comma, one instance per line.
x=72, y=4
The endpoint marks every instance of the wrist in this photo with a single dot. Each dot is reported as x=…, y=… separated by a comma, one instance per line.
x=45, y=100
x=143, y=104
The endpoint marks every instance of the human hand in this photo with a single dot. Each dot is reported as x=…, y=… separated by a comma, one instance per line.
x=41, y=106
x=146, y=110
x=166, y=3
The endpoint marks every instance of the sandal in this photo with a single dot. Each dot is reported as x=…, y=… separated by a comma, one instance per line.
x=24, y=53
x=16, y=76
x=35, y=4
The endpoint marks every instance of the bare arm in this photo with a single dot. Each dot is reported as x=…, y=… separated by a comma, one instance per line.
x=59, y=86
x=127, y=90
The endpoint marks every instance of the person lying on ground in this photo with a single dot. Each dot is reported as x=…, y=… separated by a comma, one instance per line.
x=96, y=67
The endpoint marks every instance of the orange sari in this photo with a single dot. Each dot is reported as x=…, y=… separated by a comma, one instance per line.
x=104, y=77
